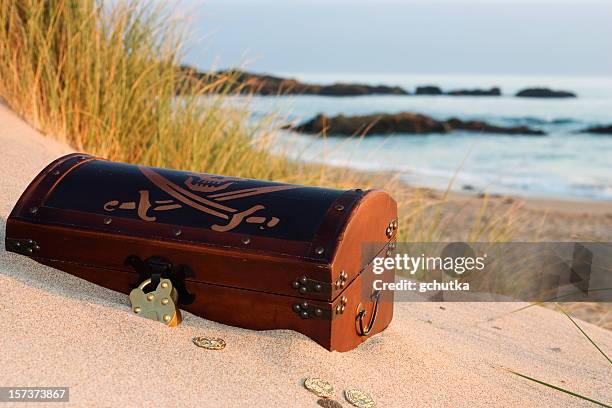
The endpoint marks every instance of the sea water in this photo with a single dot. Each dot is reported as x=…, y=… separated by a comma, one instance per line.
x=563, y=164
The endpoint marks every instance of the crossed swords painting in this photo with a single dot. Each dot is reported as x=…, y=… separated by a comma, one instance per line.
x=209, y=194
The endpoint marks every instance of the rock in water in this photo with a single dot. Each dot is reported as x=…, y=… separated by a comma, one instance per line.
x=544, y=93
x=404, y=122
x=373, y=124
x=483, y=127
x=428, y=90
x=602, y=130
x=261, y=84
x=476, y=92
x=341, y=89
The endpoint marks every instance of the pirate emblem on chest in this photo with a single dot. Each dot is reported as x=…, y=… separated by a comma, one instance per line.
x=212, y=195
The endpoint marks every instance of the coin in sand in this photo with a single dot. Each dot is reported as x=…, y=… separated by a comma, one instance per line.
x=329, y=403
x=359, y=398
x=319, y=387
x=209, y=343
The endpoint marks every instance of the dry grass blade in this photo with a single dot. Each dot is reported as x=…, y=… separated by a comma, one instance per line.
x=585, y=335
x=552, y=299
x=560, y=389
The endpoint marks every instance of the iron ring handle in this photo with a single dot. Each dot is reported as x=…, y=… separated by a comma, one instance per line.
x=364, y=332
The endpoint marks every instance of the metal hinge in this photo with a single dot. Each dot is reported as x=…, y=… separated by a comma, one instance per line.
x=305, y=285
x=27, y=247
x=307, y=311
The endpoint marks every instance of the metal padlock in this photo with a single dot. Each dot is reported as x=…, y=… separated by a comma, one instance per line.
x=160, y=304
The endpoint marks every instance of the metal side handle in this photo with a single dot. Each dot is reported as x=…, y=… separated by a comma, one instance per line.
x=362, y=313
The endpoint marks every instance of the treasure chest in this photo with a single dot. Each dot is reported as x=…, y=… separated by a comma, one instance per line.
x=247, y=253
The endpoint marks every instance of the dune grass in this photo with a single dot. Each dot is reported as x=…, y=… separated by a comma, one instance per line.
x=584, y=333
x=561, y=389
x=104, y=79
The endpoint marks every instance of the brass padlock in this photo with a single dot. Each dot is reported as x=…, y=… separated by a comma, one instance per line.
x=160, y=304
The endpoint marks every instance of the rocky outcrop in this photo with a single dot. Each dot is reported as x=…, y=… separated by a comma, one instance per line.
x=247, y=83
x=544, y=93
x=428, y=90
x=495, y=91
x=405, y=122
x=435, y=90
x=602, y=130
x=341, y=89
x=262, y=84
x=373, y=124
x=484, y=127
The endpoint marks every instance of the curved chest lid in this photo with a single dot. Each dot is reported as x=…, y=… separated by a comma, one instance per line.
x=85, y=192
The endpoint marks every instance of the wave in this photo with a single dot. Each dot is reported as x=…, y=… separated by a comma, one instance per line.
x=532, y=120
x=505, y=184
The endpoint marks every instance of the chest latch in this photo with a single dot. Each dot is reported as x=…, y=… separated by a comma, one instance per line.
x=156, y=268
x=159, y=304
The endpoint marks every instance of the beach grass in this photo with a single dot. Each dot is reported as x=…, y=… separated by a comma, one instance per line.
x=560, y=389
x=104, y=78
x=584, y=333
x=565, y=390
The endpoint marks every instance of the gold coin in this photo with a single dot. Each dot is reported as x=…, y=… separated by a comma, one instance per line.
x=209, y=343
x=359, y=398
x=329, y=403
x=319, y=387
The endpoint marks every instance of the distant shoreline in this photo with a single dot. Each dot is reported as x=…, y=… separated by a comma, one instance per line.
x=270, y=85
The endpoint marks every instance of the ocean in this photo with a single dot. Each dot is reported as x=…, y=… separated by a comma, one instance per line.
x=564, y=164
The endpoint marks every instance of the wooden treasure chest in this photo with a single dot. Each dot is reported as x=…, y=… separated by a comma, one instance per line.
x=247, y=253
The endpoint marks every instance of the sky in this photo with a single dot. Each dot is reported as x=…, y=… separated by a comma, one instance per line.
x=510, y=37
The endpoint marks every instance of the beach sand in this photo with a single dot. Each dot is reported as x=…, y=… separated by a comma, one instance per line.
x=58, y=330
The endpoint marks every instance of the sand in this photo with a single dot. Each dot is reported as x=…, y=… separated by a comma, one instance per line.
x=58, y=330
